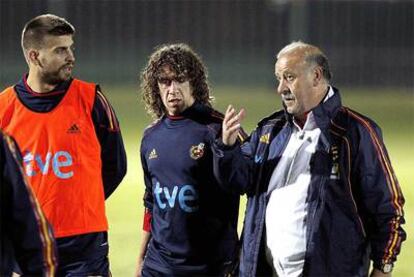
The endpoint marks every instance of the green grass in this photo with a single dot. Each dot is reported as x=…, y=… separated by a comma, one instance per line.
x=392, y=110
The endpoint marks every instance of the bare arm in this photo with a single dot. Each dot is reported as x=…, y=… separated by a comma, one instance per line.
x=146, y=236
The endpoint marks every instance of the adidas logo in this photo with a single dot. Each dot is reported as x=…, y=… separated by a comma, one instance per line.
x=153, y=154
x=74, y=129
x=265, y=138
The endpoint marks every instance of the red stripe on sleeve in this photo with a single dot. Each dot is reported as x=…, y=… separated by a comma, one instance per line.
x=147, y=221
x=113, y=124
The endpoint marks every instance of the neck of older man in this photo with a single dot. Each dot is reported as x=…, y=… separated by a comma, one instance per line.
x=320, y=94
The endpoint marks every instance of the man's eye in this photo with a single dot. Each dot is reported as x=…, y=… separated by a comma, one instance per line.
x=290, y=78
x=181, y=79
x=164, y=81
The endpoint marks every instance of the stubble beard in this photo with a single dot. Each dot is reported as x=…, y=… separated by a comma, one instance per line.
x=56, y=77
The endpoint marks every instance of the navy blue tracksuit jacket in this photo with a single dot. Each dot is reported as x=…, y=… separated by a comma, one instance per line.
x=25, y=235
x=355, y=208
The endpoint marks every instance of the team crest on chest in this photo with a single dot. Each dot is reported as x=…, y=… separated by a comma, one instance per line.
x=197, y=151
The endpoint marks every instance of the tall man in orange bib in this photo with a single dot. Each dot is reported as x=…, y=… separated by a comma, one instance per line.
x=71, y=144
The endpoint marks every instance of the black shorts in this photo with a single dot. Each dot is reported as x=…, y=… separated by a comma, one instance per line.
x=84, y=255
x=95, y=266
x=149, y=272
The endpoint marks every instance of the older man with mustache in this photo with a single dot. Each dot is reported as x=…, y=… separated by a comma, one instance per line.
x=323, y=199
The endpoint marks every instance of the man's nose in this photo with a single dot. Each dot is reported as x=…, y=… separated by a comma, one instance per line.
x=281, y=87
x=174, y=85
x=71, y=56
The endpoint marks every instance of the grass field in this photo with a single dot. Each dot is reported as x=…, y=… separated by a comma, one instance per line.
x=392, y=110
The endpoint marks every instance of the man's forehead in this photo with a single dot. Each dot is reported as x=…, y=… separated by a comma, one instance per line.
x=167, y=70
x=289, y=61
x=51, y=41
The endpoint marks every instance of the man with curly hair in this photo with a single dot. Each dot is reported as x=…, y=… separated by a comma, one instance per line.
x=190, y=222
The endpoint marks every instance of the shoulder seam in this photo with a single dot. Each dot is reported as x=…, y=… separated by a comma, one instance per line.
x=150, y=127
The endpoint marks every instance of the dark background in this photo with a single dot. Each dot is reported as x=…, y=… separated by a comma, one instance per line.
x=369, y=43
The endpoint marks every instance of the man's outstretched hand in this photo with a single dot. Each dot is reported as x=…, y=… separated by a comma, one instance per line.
x=231, y=125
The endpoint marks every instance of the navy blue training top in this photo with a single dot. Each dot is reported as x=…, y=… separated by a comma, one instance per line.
x=194, y=221
x=22, y=241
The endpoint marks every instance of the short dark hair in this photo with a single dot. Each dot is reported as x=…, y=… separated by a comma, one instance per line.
x=46, y=24
x=183, y=61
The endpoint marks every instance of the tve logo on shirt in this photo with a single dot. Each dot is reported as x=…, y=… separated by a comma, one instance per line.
x=61, y=161
x=185, y=195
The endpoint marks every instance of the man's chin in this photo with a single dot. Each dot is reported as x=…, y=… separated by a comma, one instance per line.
x=290, y=110
x=172, y=111
x=175, y=107
x=66, y=77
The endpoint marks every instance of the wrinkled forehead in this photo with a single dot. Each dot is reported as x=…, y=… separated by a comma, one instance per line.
x=171, y=71
x=290, y=61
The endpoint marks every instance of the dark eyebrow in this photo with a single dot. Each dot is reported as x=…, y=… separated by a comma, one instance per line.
x=62, y=47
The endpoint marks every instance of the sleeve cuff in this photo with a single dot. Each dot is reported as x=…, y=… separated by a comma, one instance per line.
x=147, y=221
x=221, y=146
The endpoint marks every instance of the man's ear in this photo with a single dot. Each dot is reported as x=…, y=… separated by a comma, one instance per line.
x=33, y=57
x=317, y=75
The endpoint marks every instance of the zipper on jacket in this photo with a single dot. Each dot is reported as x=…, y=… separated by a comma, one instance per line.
x=265, y=156
x=318, y=207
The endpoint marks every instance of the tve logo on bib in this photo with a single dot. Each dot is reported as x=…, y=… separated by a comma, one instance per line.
x=185, y=195
x=61, y=162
